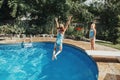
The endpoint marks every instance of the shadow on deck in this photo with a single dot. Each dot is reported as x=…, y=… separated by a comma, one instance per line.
x=112, y=77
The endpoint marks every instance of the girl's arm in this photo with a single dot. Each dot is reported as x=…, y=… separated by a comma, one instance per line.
x=94, y=32
x=94, y=29
x=67, y=23
x=57, y=24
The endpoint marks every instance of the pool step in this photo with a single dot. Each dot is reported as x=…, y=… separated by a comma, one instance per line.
x=103, y=53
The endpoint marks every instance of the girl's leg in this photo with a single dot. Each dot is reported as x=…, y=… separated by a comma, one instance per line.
x=60, y=50
x=54, y=51
x=92, y=44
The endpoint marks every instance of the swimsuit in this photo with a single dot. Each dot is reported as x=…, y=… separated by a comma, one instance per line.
x=91, y=34
x=59, y=39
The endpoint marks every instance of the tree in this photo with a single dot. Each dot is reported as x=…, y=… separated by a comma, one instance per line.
x=12, y=9
x=43, y=12
x=110, y=18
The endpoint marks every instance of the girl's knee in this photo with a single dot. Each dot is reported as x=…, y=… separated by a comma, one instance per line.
x=60, y=48
x=54, y=48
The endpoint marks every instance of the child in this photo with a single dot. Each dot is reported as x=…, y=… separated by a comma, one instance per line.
x=92, y=35
x=60, y=34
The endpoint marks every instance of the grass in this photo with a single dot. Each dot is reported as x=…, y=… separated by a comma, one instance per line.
x=109, y=44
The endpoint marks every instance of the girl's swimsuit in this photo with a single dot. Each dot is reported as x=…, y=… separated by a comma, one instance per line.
x=59, y=39
x=91, y=34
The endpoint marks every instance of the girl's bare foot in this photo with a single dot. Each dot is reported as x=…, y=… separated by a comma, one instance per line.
x=54, y=57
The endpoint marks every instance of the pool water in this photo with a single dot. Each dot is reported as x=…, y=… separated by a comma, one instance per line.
x=35, y=63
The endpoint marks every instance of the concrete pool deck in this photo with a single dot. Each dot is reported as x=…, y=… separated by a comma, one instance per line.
x=109, y=66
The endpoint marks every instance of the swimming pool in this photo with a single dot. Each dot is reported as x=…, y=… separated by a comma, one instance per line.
x=35, y=63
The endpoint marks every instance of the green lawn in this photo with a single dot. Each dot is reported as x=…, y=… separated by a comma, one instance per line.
x=109, y=44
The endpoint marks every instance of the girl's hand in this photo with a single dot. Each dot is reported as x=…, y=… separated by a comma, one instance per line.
x=69, y=17
x=56, y=19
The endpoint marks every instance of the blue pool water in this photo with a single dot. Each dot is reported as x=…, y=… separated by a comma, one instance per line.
x=35, y=63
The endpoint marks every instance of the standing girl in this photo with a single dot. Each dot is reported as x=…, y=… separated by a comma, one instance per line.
x=92, y=35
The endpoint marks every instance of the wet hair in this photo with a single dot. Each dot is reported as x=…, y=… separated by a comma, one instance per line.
x=61, y=27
